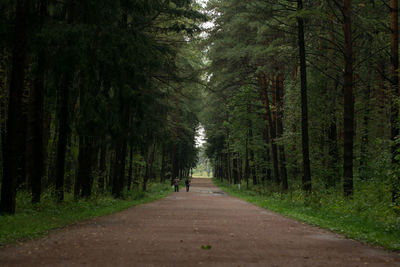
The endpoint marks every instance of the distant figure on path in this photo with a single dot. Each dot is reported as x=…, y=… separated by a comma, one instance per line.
x=187, y=183
x=176, y=184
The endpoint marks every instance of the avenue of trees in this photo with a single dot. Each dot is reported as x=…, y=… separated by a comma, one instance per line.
x=303, y=95
x=96, y=96
x=103, y=96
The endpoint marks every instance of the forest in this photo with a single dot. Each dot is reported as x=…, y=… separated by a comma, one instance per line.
x=96, y=96
x=298, y=99
x=303, y=100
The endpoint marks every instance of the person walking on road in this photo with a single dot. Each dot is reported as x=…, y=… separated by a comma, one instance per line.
x=176, y=184
x=187, y=183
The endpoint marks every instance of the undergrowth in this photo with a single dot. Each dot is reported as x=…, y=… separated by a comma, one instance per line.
x=32, y=221
x=367, y=217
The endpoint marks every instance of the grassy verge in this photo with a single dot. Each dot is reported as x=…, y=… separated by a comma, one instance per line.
x=35, y=221
x=383, y=232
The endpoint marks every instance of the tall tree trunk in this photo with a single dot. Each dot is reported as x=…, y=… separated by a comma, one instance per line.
x=235, y=170
x=51, y=167
x=63, y=134
x=163, y=163
x=362, y=170
x=266, y=170
x=279, y=109
x=227, y=170
x=111, y=173
x=240, y=170
x=70, y=165
x=63, y=119
x=102, y=166
x=394, y=60
x=22, y=172
x=121, y=151
x=348, y=101
x=149, y=166
x=228, y=158
x=273, y=101
x=175, y=159
x=95, y=158
x=3, y=120
x=119, y=167
x=3, y=105
x=333, y=151
x=272, y=132
x=83, y=178
x=252, y=163
x=35, y=162
x=333, y=154
x=14, y=139
x=246, y=163
x=46, y=138
x=129, y=182
x=138, y=170
x=220, y=170
x=306, y=179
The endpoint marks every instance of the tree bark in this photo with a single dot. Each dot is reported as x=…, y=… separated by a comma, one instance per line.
x=306, y=179
x=102, y=166
x=83, y=179
x=111, y=172
x=362, y=169
x=3, y=122
x=3, y=107
x=348, y=101
x=394, y=60
x=163, y=163
x=121, y=150
x=63, y=118
x=149, y=166
x=333, y=151
x=52, y=160
x=175, y=159
x=228, y=158
x=235, y=170
x=35, y=162
x=14, y=139
x=63, y=134
x=119, y=167
x=252, y=161
x=246, y=163
x=130, y=171
x=240, y=169
x=279, y=109
x=272, y=132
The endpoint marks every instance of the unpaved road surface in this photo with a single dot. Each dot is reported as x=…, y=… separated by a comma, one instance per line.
x=171, y=232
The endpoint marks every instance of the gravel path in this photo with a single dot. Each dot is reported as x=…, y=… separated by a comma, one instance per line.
x=172, y=231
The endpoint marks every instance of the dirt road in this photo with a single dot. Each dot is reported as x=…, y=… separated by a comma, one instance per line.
x=172, y=231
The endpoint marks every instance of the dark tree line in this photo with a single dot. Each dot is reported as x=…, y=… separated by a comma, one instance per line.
x=96, y=95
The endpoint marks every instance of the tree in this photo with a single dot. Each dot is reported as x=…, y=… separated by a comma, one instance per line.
x=394, y=82
x=306, y=179
x=348, y=101
x=14, y=139
x=35, y=160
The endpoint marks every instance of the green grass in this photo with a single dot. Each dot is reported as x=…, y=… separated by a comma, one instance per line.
x=341, y=216
x=31, y=222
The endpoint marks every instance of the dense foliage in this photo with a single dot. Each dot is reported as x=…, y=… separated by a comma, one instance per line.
x=303, y=97
x=96, y=95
